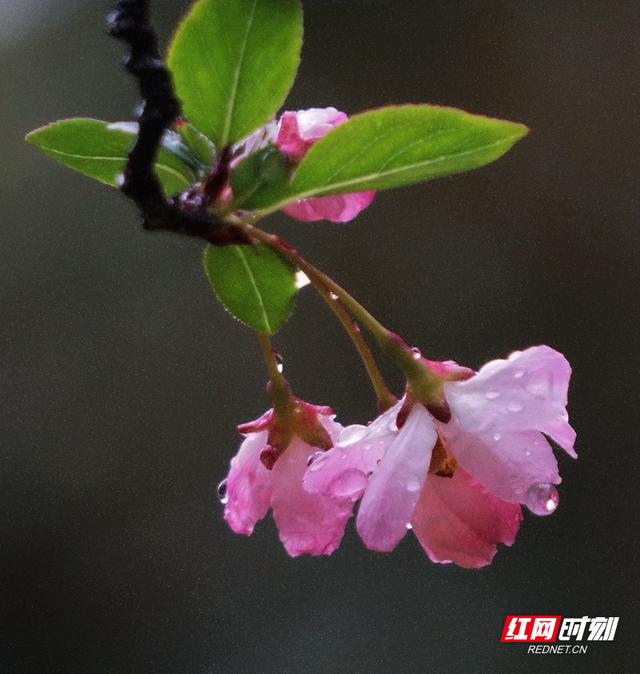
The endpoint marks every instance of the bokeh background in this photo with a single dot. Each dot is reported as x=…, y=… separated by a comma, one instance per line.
x=121, y=380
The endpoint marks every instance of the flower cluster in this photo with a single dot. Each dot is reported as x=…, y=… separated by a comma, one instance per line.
x=457, y=483
x=453, y=460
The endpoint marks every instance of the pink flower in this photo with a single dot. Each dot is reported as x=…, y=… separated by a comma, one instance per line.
x=459, y=485
x=294, y=134
x=297, y=132
x=308, y=523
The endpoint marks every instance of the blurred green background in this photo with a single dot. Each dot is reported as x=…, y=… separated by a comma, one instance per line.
x=121, y=380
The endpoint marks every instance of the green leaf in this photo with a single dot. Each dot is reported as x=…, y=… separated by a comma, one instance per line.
x=392, y=147
x=99, y=150
x=233, y=63
x=264, y=171
x=253, y=283
x=173, y=143
x=202, y=148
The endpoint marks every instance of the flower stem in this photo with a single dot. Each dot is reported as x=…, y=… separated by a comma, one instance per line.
x=422, y=381
x=278, y=387
x=385, y=398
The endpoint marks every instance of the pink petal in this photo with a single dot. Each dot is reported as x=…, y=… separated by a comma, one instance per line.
x=335, y=208
x=526, y=392
x=308, y=523
x=458, y=521
x=327, y=418
x=289, y=141
x=248, y=486
x=394, y=488
x=298, y=131
x=343, y=471
x=507, y=465
x=315, y=123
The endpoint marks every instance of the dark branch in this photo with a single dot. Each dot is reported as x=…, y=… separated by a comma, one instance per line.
x=186, y=213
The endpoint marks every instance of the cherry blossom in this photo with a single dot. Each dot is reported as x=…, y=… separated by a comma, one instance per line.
x=260, y=480
x=458, y=485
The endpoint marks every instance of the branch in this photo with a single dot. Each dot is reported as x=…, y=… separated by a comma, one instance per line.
x=186, y=213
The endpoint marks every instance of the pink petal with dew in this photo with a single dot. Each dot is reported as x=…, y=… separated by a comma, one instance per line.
x=248, y=486
x=334, y=208
x=508, y=465
x=308, y=523
x=526, y=392
x=394, y=488
x=343, y=471
x=327, y=418
x=457, y=521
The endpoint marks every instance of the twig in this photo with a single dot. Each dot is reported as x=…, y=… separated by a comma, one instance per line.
x=186, y=213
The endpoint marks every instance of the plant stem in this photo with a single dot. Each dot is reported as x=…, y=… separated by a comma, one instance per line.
x=391, y=344
x=278, y=382
x=320, y=282
x=385, y=398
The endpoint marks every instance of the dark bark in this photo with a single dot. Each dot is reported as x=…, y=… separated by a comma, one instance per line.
x=186, y=213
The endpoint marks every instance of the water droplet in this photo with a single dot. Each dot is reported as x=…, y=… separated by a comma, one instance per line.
x=120, y=180
x=223, y=497
x=492, y=395
x=279, y=361
x=349, y=484
x=302, y=280
x=497, y=437
x=409, y=526
x=333, y=296
x=515, y=406
x=539, y=387
x=392, y=425
x=416, y=353
x=352, y=434
x=527, y=453
x=542, y=499
x=518, y=374
x=413, y=484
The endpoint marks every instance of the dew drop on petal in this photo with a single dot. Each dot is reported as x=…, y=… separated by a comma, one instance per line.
x=416, y=353
x=349, y=484
x=542, y=499
x=223, y=497
x=333, y=296
x=492, y=395
x=497, y=437
x=518, y=374
x=352, y=434
x=413, y=484
x=539, y=387
x=279, y=361
x=515, y=406
x=409, y=526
